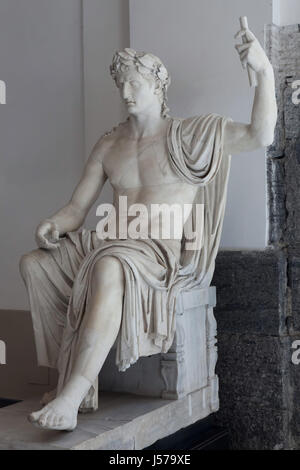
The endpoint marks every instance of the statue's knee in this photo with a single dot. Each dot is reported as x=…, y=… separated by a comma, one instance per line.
x=108, y=269
x=25, y=264
x=28, y=263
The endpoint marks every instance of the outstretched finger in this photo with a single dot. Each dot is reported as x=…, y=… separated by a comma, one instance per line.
x=42, y=242
x=244, y=63
x=51, y=245
x=244, y=55
x=242, y=47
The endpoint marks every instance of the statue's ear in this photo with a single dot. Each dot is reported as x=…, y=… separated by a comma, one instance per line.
x=157, y=88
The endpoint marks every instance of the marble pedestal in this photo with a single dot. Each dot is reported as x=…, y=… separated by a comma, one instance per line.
x=123, y=421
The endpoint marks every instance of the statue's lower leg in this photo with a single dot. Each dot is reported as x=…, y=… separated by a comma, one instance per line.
x=99, y=332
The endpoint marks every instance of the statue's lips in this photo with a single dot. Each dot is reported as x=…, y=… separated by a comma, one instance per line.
x=130, y=103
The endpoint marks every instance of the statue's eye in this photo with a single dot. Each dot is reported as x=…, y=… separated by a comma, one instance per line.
x=134, y=83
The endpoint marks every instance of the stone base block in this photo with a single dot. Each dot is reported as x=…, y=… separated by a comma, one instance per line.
x=123, y=421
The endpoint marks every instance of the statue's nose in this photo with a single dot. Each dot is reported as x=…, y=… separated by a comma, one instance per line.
x=126, y=91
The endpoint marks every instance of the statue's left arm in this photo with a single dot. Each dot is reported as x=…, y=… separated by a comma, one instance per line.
x=241, y=137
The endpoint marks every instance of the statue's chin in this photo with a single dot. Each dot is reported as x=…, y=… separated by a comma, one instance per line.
x=132, y=109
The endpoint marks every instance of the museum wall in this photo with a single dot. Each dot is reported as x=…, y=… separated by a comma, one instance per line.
x=105, y=30
x=286, y=12
x=41, y=124
x=195, y=40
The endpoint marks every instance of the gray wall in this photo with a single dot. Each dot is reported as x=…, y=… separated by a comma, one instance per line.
x=41, y=126
x=105, y=30
x=286, y=12
x=195, y=40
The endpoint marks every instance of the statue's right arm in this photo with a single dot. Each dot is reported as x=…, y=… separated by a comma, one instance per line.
x=73, y=214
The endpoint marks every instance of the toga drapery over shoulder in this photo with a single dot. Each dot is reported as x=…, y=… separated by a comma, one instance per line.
x=196, y=150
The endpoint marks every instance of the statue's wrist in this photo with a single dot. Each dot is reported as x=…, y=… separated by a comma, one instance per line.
x=266, y=70
x=51, y=221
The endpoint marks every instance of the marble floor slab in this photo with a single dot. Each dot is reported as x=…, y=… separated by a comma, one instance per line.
x=123, y=421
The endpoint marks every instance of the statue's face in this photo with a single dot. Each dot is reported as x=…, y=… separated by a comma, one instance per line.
x=137, y=92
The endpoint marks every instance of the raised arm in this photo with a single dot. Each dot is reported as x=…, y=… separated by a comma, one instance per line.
x=241, y=137
x=73, y=214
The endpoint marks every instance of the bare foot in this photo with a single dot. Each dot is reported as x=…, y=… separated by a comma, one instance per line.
x=47, y=397
x=60, y=414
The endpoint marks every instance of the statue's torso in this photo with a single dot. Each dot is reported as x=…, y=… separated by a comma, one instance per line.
x=141, y=170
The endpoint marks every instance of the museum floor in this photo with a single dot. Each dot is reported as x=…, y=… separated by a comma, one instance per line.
x=124, y=422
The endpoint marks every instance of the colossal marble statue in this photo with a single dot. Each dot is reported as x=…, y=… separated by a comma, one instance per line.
x=86, y=292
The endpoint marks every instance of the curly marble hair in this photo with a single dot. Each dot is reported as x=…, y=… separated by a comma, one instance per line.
x=147, y=65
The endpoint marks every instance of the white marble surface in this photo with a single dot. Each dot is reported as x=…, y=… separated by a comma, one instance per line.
x=123, y=421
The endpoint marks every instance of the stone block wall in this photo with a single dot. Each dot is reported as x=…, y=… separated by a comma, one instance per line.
x=254, y=365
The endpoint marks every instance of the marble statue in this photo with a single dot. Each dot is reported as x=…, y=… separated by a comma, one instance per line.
x=85, y=292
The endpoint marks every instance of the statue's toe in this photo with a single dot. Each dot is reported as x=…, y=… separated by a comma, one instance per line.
x=51, y=420
x=53, y=416
x=55, y=421
x=33, y=417
x=43, y=419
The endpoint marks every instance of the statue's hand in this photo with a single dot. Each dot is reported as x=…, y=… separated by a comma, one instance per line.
x=251, y=53
x=47, y=235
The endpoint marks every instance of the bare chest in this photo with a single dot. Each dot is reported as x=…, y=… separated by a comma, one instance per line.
x=136, y=164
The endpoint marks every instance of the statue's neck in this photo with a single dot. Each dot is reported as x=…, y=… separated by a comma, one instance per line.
x=146, y=125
